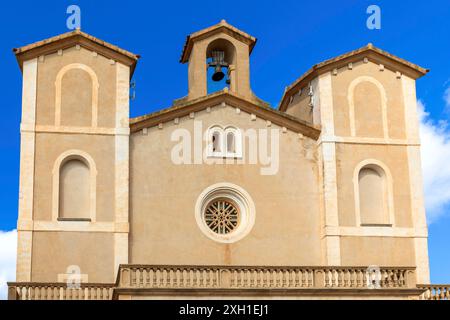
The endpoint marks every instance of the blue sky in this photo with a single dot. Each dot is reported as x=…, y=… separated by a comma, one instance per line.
x=292, y=36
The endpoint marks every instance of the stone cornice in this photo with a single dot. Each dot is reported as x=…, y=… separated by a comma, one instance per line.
x=70, y=39
x=222, y=26
x=369, y=52
x=276, y=117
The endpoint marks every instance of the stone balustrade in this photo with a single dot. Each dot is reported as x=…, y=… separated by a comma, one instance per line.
x=230, y=277
x=58, y=291
x=133, y=278
x=435, y=291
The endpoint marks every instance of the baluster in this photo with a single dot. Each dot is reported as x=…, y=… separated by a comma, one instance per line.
x=402, y=280
x=283, y=278
x=260, y=281
x=262, y=278
x=396, y=279
x=168, y=278
x=327, y=278
x=297, y=274
x=208, y=278
x=190, y=278
x=346, y=274
x=176, y=277
x=143, y=275
x=361, y=279
x=233, y=278
x=333, y=278
x=147, y=280
x=153, y=277
x=195, y=277
x=341, y=278
x=161, y=277
x=352, y=273
x=291, y=277
x=310, y=273
x=303, y=278
x=182, y=278
x=216, y=278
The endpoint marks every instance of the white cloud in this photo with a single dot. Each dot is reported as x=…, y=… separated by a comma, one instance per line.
x=8, y=249
x=447, y=98
x=435, y=139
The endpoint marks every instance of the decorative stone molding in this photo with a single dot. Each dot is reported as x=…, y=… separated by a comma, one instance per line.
x=59, y=291
x=87, y=159
x=388, y=189
x=58, y=93
x=175, y=280
x=260, y=277
x=351, y=103
x=435, y=291
x=238, y=196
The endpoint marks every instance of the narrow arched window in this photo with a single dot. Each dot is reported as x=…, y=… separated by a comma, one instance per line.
x=74, y=190
x=372, y=196
x=231, y=143
x=216, y=142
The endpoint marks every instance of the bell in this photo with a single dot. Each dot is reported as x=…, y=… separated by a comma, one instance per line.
x=218, y=61
x=218, y=74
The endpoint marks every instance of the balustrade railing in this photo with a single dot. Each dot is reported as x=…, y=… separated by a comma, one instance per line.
x=146, y=276
x=232, y=277
x=435, y=291
x=58, y=291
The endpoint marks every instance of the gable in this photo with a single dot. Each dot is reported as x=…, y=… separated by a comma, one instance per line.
x=367, y=53
x=229, y=99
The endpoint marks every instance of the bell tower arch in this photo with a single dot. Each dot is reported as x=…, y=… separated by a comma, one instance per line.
x=225, y=49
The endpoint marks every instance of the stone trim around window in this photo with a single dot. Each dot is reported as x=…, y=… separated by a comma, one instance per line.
x=233, y=194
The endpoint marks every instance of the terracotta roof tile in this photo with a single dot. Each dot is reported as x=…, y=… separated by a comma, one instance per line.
x=325, y=65
x=215, y=28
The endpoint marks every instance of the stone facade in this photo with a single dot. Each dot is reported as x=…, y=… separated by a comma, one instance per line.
x=341, y=191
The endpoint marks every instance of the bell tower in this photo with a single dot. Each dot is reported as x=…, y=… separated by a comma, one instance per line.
x=220, y=46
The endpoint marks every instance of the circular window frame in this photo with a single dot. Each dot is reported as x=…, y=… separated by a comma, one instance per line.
x=235, y=195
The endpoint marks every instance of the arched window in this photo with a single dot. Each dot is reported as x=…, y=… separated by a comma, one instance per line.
x=76, y=96
x=74, y=187
x=74, y=190
x=224, y=143
x=233, y=143
x=220, y=55
x=373, y=196
x=216, y=142
x=367, y=108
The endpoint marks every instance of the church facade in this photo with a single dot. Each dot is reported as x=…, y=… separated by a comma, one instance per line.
x=219, y=195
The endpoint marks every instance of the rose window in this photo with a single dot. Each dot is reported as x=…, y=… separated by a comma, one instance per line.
x=221, y=216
